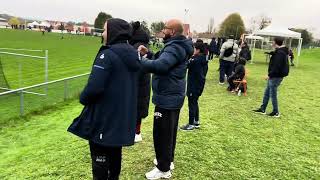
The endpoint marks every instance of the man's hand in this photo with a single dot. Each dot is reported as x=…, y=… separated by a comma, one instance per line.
x=143, y=50
x=266, y=77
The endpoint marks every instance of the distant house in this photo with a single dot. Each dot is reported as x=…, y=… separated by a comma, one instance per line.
x=3, y=23
x=186, y=30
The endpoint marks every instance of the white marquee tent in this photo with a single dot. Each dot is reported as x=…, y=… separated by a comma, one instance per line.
x=44, y=24
x=253, y=45
x=34, y=23
x=273, y=31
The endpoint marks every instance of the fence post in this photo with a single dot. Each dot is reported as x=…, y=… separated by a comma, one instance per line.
x=21, y=103
x=46, y=71
x=65, y=82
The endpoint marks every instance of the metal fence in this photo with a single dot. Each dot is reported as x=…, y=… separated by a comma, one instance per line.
x=22, y=101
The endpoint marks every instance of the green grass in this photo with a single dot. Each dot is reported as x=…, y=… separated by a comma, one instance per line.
x=233, y=143
x=70, y=56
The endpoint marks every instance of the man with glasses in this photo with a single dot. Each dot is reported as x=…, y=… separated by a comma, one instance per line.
x=168, y=83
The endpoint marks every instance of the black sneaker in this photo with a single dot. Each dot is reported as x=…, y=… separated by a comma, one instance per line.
x=274, y=114
x=261, y=111
x=187, y=127
x=196, y=124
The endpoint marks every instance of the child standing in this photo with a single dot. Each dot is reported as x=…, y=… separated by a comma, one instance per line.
x=197, y=70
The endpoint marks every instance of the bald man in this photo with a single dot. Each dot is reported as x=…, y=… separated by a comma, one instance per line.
x=168, y=84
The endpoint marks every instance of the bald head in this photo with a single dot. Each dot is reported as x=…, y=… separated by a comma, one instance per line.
x=175, y=25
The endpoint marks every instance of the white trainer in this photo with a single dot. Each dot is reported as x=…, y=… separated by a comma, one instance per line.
x=155, y=162
x=138, y=138
x=157, y=174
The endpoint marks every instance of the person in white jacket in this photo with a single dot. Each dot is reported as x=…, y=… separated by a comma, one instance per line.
x=228, y=55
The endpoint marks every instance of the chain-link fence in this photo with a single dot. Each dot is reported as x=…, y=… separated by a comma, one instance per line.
x=23, y=101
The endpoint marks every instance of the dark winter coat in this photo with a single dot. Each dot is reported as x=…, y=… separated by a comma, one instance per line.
x=140, y=37
x=239, y=72
x=213, y=46
x=110, y=96
x=169, y=68
x=245, y=53
x=197, y=71
x=279, y=64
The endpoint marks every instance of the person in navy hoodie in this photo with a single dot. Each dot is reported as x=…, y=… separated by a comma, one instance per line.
x=197, y=71
x=110, y=101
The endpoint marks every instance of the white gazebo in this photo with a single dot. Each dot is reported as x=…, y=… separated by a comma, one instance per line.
x=273, y=31
x=34, y=23
x=44, y=24
x=3, y=22
x=253, y=45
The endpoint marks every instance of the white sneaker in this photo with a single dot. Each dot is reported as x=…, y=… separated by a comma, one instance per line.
x=138, y=138
x=221, y=83
x=157, y=174
x=155, y=162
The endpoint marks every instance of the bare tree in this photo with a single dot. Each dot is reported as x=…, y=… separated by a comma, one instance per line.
x=259, y=22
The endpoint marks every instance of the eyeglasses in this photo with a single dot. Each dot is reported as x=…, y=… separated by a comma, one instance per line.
x=166, y=27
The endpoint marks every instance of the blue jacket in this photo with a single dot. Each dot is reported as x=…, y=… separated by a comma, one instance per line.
x=169, y=68
x=198, y=68
x=110, y=98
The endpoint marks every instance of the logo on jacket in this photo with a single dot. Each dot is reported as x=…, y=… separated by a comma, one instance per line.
x=157, y=115
x=102, y=56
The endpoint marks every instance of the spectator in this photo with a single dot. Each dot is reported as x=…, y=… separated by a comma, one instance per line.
x=245, y=51
x=278, y=69
x=110, y=100
x=168, y=82
x=140, y=37
x=228, y=55
x=198, y=68
x=291, y=56
x=237, y=75
x=213, y=48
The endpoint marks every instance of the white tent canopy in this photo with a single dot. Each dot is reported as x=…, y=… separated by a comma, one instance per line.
x=278, y=31
x=44, y=24
x=34, y=23
x=253, y=37
x=274, y=31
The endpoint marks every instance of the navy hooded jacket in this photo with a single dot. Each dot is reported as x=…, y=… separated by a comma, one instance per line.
x=110, y=96
x=169, y=68
x=198, y=68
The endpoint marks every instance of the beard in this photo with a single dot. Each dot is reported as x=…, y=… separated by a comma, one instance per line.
x=167, y=36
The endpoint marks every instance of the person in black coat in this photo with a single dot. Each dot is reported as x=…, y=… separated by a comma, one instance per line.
x=278, y=69
x=140, y=37
x=168, y=84
x=110, y=101
x=245, y=51
x=198, y=68
x=238, y=74
x=213, y=48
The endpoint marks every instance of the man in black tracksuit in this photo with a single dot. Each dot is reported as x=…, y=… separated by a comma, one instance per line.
x=198, y=68
x=278, y=69
x=110, y=100
x=168, y=84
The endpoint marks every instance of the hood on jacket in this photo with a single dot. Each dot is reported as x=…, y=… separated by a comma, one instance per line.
x=128, y=55
x=283, y=49
x=181, y=40
x=118, y=31
x=139, y=36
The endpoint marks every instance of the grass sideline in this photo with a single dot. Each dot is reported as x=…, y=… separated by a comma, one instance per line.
x=233, y=142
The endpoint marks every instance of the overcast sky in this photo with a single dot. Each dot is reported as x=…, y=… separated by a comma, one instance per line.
x=289, y=13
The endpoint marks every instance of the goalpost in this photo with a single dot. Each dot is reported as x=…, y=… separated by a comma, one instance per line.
x=20, y=53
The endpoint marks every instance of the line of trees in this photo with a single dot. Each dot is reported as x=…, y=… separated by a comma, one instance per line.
x=232, y=25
